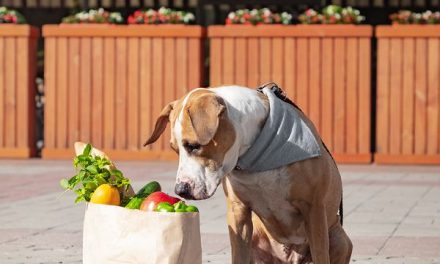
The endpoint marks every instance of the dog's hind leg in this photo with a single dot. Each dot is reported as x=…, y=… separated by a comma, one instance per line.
x=340, y=245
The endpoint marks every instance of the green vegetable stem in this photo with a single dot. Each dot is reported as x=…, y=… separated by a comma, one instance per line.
x=92, y=172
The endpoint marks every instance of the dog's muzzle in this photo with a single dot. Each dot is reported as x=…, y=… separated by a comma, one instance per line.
x=183, y=189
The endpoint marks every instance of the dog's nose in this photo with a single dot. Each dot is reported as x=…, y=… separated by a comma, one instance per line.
x=183, y=189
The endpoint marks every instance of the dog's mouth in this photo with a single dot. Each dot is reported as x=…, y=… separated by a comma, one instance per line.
x=200, y=194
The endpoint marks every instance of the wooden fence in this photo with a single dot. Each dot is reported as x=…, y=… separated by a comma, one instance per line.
x=107, y=84
x=323, y=68
x=408, y=103
x=17, y=90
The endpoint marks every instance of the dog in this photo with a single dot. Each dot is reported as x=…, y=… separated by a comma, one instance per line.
x=287, y=214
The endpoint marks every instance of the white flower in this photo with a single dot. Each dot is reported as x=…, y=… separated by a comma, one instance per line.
x=150, y=12
x=188, y=17
x=231, y=15
x=266, y=12
x=82, y=16
x=162, y=10
x=254, y=12
x=286, y=15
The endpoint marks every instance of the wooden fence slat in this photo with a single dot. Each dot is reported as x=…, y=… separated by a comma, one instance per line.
x=133, y=93
x=439, y=108
x=228, y=61
x=382, y=104
x=169, y=82
x=302, y=74
x=182, y=66
x=420, y=96
x=216, y=61
x=85, y=90
x=240, y=62
x=277, y=61
x=289, y=67
x=433, y=96
x=195, y=68
x=395, y=96
x=50, y=92
x=10, y=95
x=2, y=91
x=364, y=97
x=340, y=95
x=352, y=96
x=315, y=73
x=23, y=100
x=327, y=93
x=62, y=77
x=265, y=61
x=157, y=94
x=408, y=96
x=254, y=78
x=121, y=93
x=73, y=87
x=109, y=94
x=97, y=92
x=145, y=90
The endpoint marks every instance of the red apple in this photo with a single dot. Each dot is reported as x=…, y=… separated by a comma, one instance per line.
x=150, y=203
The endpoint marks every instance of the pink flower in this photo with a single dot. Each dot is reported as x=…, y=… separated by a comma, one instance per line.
x=138, y=13
x=131, y=20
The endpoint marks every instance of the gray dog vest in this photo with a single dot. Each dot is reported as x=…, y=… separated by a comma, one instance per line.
x=284, y=139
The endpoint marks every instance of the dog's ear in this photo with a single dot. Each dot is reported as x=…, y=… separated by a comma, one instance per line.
x=161, y=123
x=204, y=115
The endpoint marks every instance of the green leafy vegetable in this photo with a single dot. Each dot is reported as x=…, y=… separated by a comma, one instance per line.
x=92, y=171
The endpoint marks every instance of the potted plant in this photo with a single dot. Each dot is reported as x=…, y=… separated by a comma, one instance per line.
x=321, y=63
x=107, y=84
x=162, y=16
x=18, y=47
x=408, y=105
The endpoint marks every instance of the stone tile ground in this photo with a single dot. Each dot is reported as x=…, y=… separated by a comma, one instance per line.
x=392, y=212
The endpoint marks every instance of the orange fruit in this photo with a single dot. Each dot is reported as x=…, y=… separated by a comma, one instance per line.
x=106, y=194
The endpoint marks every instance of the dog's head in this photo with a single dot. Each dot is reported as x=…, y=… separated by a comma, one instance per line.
x=204, y=138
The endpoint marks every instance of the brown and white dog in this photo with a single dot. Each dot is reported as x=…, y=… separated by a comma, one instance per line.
x=284, y=215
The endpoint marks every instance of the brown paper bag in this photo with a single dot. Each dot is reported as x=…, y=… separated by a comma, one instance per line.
x=114, y=234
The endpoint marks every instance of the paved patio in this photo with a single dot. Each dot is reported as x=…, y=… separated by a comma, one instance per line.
x=392, y=213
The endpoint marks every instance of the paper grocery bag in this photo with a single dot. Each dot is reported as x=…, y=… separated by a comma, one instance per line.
x=114, y=234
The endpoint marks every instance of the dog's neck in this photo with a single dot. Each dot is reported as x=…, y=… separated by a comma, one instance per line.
x=247, y=110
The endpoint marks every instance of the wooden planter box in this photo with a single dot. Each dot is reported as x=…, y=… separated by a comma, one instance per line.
x=18, y=47
x=107, y=84
x=323, y=68
x=408, y=94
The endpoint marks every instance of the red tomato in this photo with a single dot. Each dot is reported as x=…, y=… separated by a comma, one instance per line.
x=150, y=203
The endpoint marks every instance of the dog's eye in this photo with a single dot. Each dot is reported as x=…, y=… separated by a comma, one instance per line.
x=191, y=147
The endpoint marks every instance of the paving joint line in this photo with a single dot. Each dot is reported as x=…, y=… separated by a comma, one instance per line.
x=404, y=217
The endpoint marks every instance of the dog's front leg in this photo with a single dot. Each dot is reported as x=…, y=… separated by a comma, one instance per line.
x=240, y=226
x=317, y=233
